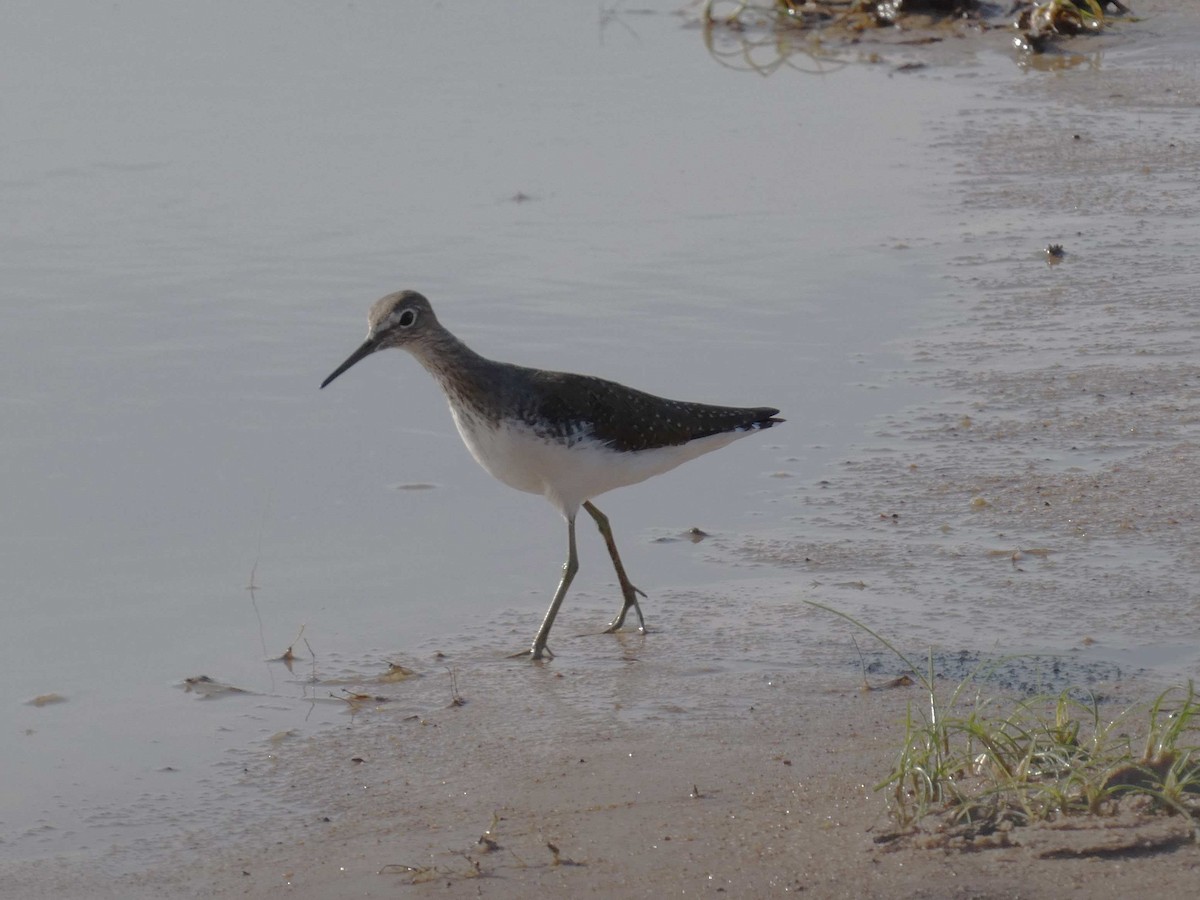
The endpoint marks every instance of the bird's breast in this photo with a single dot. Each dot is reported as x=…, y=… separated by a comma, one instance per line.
x=508, y=452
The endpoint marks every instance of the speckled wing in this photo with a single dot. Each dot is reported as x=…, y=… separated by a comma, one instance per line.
x=579, y=407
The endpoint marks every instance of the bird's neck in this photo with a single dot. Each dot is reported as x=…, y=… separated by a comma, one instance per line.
x=463, y=374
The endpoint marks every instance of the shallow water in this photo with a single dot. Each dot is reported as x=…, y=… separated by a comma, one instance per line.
x=201, y=202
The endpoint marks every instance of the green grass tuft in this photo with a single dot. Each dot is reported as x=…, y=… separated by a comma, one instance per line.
x=974, y=760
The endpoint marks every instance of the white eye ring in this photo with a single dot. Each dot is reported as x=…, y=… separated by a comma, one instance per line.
x=408, y=318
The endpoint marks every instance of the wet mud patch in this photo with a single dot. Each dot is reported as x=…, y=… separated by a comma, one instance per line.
x=1041, y=499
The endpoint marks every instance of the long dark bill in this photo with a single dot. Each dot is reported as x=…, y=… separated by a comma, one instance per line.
x=369, y=346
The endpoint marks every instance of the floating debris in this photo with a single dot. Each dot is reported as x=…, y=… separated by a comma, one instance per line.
x=206, y=688
x=394, y=674
x=693, y=534
x=357, y=699
x=559, y=859
x=288, y=657
x=46, y=700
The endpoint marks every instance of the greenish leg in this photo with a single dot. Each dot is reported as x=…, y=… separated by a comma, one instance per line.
x=629, y=592
x=570, y=567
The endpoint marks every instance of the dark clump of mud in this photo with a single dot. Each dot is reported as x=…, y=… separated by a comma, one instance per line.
x=1020, y=675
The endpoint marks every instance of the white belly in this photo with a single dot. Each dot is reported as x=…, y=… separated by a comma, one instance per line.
x=566, y=476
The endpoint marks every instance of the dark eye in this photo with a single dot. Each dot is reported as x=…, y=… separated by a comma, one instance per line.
x=407, y=318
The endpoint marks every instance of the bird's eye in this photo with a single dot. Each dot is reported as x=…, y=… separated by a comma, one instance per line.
x=407, y=318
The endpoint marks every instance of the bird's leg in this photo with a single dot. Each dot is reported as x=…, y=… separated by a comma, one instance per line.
x=629, y=592
x=570, y=567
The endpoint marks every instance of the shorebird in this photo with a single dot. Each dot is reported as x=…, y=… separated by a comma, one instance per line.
x=567, y=437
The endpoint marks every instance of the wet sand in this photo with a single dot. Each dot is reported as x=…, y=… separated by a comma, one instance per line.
x=731, y=750
x=631, y=767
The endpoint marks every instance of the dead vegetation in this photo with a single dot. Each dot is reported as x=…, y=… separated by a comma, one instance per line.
x=1038, y=26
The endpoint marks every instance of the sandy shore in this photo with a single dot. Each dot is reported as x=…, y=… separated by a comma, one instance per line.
x=760, y=792
x=654, y=772
x=734, y=753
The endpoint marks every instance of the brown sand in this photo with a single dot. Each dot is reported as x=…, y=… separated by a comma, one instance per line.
x=760, y=789
x=641, y=778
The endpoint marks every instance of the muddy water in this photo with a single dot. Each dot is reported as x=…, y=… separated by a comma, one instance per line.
x=202, y=203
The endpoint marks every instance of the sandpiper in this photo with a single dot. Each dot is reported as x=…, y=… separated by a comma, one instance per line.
x=567, y=437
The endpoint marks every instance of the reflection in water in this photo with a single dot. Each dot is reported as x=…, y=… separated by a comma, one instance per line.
x=765, y=52
x=1055, y=62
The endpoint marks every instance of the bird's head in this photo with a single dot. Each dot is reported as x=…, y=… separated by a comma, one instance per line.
x=402, y=319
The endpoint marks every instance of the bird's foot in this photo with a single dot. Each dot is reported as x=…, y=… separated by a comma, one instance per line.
x=615, y=627
x=535, y=653
x=630, y=603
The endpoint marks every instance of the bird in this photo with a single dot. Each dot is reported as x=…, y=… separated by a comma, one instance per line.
x=564, y=436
